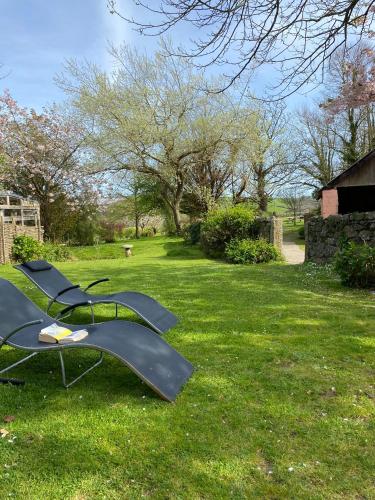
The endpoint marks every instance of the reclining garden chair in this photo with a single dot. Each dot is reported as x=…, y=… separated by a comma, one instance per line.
x=143, y=351
x=59, y=289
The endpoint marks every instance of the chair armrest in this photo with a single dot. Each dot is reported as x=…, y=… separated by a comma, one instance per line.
x=95, y=283
x=53, y=299
x=73, y=306
x=25, y=325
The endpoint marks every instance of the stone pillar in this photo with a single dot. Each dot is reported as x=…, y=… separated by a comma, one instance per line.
x=276, y=232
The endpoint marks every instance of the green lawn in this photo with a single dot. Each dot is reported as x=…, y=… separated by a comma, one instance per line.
x=281, y=404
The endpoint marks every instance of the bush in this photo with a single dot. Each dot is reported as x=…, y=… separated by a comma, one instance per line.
x=129, y=233
x=192, y=233
x=108, y=232
x=223, y=225
x=355, y=264
x=301, y=232
x=25, y=248
x=85, y=232
x=50, y=251
x=250, y=251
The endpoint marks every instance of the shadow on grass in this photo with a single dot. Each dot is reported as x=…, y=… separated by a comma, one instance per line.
x=181, y=250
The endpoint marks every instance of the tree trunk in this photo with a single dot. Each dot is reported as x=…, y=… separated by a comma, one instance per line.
x=261, y=191
x=177, y=217
x=136, y=220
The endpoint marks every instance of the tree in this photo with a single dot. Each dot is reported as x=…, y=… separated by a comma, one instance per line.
x=318, y=163
x=41, y=160
x=354, y=116
x=139, y=203
x=148, y=118
x=271, y=159
x=297, y=37
x=335, y=135
x=353, y=78
x=293, y=200
x=219, y=168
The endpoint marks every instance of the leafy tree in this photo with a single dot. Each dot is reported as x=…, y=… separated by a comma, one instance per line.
x=41, y=160
x=152, y=117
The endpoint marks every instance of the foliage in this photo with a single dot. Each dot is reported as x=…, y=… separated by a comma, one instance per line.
x=54, y=252
x=223, y=225
x=107, y=231
x=248, y=251
x=26, y=248
x=154, y=121
x=275, y=349
x=357, y=86
x=85, y=231
x=342, y=129
x=43, y=160
x=192, y=233
x=301, y=232
x=355, y=264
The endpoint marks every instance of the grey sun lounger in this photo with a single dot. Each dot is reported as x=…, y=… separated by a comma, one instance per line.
x=59, y=289
x=142, y=350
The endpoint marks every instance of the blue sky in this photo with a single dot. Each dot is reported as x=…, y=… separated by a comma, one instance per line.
x=36, y=36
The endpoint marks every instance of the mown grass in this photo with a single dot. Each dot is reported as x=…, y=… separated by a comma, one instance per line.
x=281, y=404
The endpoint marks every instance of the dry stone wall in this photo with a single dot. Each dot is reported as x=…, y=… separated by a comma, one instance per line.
x=323, y=236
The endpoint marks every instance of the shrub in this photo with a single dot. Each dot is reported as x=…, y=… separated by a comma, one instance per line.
x=85, y=232
x=108, y=231
x=192, y=233
x=223, y=225
x=50, y=251
x=147, y=232
x=129, y=233
x=25, y=248
x=355, y=264
x=248, y=251
x=301, y=232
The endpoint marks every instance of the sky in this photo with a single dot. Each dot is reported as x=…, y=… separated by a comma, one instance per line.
x=37, y=36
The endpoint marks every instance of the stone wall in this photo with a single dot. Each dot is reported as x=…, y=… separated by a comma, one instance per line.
x=8, y=232
x=272, y=230
x=323, y=236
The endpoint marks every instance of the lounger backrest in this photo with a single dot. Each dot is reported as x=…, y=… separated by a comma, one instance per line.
x=15, y=308
x=50, y=281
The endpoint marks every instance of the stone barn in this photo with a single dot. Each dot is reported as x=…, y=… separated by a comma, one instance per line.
x=351, y=191
x=348, y=212
x=17, y=216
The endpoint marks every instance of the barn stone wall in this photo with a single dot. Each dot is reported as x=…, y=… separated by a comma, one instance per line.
x=8, y=231
x=271, y=230
x=323, y=236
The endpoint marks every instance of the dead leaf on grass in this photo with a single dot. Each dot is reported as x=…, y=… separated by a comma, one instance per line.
x=9, y=418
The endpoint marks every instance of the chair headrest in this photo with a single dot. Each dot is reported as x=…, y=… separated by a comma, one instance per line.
x=37, y=265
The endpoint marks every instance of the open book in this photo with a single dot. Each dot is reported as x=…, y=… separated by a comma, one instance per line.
x=58, y=334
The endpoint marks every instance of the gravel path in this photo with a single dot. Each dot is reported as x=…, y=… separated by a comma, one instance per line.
x=293, y=254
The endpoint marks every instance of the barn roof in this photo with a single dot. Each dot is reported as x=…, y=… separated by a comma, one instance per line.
x=349, y=171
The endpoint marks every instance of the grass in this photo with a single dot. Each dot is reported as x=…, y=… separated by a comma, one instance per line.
x=281, y=404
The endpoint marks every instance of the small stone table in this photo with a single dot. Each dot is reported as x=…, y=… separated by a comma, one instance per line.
x=128, y=250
